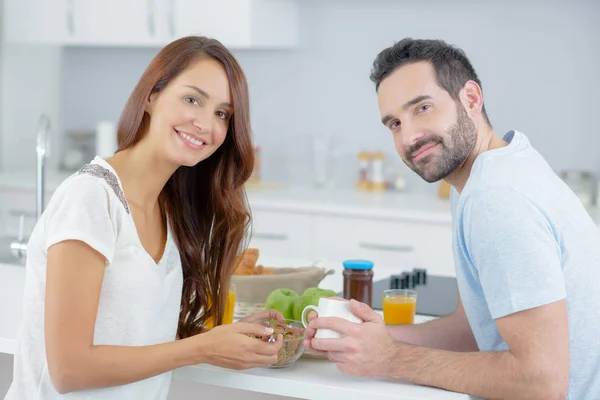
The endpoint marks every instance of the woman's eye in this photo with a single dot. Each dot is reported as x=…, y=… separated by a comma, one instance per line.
x=223, y=115
x=192, y=100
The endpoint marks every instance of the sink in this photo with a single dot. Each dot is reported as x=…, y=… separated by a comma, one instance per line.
x=6, y=255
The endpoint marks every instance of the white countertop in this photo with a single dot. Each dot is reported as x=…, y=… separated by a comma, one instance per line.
x=311, y=379
x=394, y=205
x=307, y=379
x=27, y=180
x=406, y=206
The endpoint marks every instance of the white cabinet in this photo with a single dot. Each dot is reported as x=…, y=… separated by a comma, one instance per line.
x=226, y=20
x=236, y=23
x=37, y=21
x=281, y=234
x=393, y=245
x=113, y=22
x=83, y=22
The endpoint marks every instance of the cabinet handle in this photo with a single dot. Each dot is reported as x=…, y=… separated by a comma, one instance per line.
x=172, y=17
x=387, y=247
x=271, y=236
x=71, y=17
x=151, y=19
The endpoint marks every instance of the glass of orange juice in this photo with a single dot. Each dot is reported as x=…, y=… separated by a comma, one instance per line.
x=399, y=306
x=229, y=309
x=230, y=306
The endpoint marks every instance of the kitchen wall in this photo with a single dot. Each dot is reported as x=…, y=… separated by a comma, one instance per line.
x=30, y=88
x=1, y=79
x=537, y=61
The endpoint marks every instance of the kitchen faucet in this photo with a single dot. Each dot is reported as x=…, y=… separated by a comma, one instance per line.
x=19, y=247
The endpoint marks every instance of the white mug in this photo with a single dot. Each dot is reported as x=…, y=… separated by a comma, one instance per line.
x=330, y=308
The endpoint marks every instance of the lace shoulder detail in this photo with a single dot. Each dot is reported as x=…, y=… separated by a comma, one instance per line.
x=100, y=172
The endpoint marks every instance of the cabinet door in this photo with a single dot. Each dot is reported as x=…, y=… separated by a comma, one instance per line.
x=225, y=20
x=115, y=22
x=37, y=21
x=281, y=234
x=394, y=246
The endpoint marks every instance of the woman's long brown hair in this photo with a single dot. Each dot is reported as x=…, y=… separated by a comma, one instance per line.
x=206, y=204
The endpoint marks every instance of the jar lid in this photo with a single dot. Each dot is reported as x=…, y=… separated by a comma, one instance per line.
x=358, y=264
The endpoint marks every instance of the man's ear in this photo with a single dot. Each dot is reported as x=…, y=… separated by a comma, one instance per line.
x=473, y=98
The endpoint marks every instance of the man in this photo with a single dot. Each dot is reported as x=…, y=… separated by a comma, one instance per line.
x=526, y=252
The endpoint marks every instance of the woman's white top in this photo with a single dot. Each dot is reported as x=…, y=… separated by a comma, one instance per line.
x=139, y=301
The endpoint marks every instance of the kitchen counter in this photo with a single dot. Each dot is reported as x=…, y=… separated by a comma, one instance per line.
x=406, y=206
x=311, y=379
x=394, y=205
x=26, y=180
x=307, y=379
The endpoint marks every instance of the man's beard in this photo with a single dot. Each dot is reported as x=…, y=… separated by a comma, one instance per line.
x=460, y=141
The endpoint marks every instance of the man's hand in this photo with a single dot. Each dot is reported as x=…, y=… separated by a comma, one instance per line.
x=310, y=332
x=363, y=350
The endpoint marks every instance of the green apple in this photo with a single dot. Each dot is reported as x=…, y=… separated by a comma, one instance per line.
x=320, y=292
x=282, y=300
x=310, y=296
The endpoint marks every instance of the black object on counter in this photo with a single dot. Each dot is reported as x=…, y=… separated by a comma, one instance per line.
x=409, y=280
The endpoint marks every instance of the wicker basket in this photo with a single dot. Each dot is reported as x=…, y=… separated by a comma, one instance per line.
x=244, y=308
x=252, y=290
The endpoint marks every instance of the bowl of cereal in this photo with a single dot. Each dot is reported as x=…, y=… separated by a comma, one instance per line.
x=293, y=341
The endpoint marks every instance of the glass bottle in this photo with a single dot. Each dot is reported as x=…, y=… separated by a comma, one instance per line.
x=358, y=280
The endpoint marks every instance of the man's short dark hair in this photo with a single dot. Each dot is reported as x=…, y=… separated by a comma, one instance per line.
x=452, y=66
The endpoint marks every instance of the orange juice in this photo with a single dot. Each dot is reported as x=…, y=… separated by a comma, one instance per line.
x=228, y=313
x=399, y=310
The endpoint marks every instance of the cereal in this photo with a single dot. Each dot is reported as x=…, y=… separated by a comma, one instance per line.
x=292, y=347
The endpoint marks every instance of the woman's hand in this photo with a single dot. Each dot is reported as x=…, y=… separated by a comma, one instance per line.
x=265, y=315
x=229, y=346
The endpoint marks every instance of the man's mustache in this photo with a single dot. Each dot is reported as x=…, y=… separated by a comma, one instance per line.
x=423, y=142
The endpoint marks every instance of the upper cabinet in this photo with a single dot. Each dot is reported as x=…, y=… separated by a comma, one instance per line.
x=112, y=22
x=37, y=21
x=236, y=23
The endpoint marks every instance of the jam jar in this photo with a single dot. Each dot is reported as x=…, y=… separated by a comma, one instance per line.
x=358, y=280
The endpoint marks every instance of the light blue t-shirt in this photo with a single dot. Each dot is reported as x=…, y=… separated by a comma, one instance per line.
x=522, y=239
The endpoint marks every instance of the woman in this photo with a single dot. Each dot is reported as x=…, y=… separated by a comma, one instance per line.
x=137, y=250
